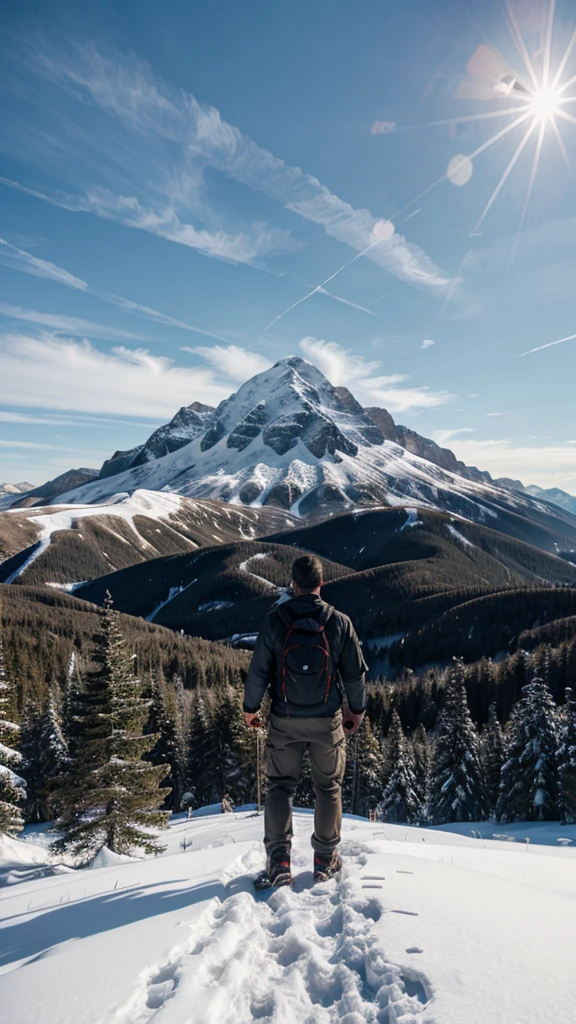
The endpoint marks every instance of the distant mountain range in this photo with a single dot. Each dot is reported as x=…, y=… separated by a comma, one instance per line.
x=555, y=496
x=12, y=491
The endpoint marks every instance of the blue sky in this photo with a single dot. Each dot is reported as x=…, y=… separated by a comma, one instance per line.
x=176, y=177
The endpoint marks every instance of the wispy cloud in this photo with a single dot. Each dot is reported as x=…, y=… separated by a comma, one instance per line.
x=37, y=445
x=78, y=420
x=68, y=324
x=427, y=343
x=54, y=373
x=443, y=437
x=244, y=247
x=547, y=465
x=196, y=136
x=235, y=363
x=366, y=380
x=19, y=259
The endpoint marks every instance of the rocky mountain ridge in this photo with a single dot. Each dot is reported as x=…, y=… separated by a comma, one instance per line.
x=289, y=439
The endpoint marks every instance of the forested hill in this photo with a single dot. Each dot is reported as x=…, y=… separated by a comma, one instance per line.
x=44, y=630
x=391, y=570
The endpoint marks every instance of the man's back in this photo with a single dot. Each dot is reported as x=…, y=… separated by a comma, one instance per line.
x=346, y=659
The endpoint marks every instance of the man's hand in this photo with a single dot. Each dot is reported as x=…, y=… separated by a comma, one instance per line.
x=252, y=719
x=351, y=721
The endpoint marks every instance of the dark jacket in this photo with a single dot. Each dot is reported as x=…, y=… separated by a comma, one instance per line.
x=346, y=655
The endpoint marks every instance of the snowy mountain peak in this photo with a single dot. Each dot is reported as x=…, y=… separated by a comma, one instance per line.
x=291, y=403
x=289, y=438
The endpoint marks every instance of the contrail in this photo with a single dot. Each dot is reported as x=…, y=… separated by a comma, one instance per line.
x=347, y=302
x=319, y=287
x=540, y=348
x=18, y=259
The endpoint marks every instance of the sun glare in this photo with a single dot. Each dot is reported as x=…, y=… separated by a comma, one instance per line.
x=531, y=101
x=545, y=103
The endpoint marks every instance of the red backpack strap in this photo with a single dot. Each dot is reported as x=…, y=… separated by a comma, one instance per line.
x=284, y=650
x=323, y=621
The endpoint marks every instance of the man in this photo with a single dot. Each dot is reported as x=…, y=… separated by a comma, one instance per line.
x=305, y=653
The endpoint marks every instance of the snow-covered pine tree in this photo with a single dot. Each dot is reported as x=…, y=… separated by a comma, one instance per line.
x=400, y=800
x=29, y=746
x=112, y=796
x=456, y=786
x=53, y=758
x=567, y=759
x=492, y=753
x=529, y=778
x=181, y=732
x=362, y=785
x=235, y=754
x=72, y=694
x=12, y=785
x=421, y=758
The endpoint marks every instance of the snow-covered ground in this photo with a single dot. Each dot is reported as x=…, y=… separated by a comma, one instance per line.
x=424, y=926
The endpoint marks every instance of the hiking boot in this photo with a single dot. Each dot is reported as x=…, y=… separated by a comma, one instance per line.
x=279, y=868
x=326, y=865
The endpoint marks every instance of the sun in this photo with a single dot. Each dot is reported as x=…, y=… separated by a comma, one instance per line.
x=545, y=103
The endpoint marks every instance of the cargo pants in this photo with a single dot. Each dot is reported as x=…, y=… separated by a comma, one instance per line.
x=288, y=739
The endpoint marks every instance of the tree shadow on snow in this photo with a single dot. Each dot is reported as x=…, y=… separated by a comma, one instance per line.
x=34, y=937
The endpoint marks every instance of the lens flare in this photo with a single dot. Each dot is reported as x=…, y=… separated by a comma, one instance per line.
x=535, y=98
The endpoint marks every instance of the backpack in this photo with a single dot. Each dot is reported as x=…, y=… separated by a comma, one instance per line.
x=305, y=669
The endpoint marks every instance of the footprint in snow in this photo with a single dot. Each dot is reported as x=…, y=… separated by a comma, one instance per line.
x=307, y=956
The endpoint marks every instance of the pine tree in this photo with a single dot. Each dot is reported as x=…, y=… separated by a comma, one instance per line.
x=362, y=785
x=235, y=760
x=53, y=758
x=456, y=791
x=162, y=723
x=421, y=759
x=112, y=795
x=492, y=752
x=12, y=785
x=567, y=759
x=30, y=748
x=529, y=779
x=202, y=784
x=72, y=697
x=181, y=734
x=401, y=800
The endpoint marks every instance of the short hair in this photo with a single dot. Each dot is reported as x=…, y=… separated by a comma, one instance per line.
x=307, y=572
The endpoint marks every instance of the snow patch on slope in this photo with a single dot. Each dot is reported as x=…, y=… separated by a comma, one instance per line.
x=459, y=536
x=411, y=519
x=244, y=567
x=122, y=505
x=172, y=593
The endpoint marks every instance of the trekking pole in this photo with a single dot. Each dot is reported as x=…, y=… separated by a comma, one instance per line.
x=258, y=770
x=354, y=773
